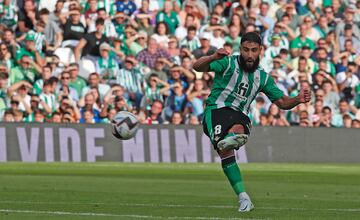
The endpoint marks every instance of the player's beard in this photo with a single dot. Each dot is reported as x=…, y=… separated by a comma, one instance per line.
x=244, y=66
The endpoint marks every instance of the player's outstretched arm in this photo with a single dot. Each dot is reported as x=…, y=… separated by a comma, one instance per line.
x=203, y=63
x=288, y=103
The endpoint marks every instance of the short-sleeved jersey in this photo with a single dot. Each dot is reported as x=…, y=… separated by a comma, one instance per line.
x=236, y=88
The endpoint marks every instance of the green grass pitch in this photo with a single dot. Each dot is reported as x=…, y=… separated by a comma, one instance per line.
x=176, y=191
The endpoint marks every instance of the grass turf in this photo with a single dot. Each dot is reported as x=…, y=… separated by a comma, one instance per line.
x=176, y=191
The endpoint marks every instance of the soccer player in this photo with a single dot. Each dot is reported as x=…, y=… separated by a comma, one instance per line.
x=238, y=79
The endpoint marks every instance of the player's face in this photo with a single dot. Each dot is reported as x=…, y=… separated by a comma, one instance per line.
x=250, y=52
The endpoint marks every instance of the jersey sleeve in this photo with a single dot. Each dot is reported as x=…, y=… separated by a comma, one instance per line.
x=219, y=66
x=271, y=90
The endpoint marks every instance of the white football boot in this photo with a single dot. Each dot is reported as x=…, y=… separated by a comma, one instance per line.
x=245, y=203
x=233, y=142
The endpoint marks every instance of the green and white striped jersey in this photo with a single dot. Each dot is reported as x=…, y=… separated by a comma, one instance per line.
x=236, y=88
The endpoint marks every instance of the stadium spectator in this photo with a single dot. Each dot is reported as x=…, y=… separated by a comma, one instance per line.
x=153, y=116
x=306, y=44
x=149, y=55
x=89, y=46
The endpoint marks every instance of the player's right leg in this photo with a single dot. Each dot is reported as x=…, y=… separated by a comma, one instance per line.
x=233, y=174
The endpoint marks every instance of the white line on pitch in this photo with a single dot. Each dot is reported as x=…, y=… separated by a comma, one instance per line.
x=179, y=206
x=115, y=215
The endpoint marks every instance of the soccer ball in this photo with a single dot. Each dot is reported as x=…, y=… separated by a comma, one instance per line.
x=124, y=125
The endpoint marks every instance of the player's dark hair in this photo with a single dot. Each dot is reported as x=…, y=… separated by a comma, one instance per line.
x=251, y=37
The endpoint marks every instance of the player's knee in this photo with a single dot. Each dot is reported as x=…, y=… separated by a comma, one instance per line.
x=226, y=153
x=237, y=128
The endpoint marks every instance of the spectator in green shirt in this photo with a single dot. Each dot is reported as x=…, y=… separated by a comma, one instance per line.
x=25, y=71
x=169, y=16
x=76, y=81
x=301, y=41
x=30, y=50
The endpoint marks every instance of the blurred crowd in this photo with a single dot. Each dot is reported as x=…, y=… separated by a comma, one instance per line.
x=82, y=61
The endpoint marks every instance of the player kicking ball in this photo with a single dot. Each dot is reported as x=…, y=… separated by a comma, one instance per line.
x=238, y=79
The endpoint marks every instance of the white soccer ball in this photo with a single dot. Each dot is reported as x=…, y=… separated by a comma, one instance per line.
x=124, y=125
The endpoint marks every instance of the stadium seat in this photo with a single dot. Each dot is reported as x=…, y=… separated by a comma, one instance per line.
x=86, y=67
x=65, y=55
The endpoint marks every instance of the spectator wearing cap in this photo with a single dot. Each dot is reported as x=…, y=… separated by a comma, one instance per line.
x=27, y=70
x=64, y=88
x=37, y=34
x=53, y=33
x=274, y=50
x=131, y=78
x=30, y=50
x=45, y=75
x=348, y=19
x=169, y=16
x=89, y=45
x=27, y=17
x=94, y=83
x=206, y=49
x=149, y=55
x=107, y=66
x=74, y=30
x=301, y=41
x=191, y=40
x=126, y=6
x=278, y=30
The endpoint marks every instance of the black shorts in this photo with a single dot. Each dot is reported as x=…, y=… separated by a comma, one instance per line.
x=217, y=123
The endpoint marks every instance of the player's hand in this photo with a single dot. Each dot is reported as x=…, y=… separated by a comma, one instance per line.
x=220, y=53
x=304, y=96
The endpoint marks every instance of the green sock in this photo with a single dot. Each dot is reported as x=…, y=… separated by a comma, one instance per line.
x=232, y=172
